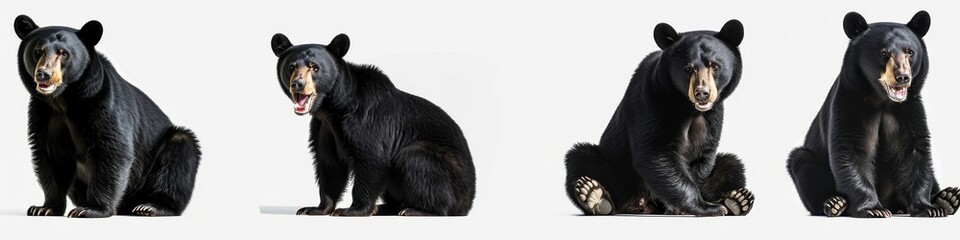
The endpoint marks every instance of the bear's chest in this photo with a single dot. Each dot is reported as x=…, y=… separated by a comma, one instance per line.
x=693, y=137
x=344, y=134
x=64, y=129
x=64, y=134
x=892, y=135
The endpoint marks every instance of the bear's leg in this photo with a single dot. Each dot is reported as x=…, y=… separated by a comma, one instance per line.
x=914, y=183
x=170, y=178
x=53, y=159
x=726, y=185
x=332, y=177
x=332, y=174
x=55, y=171
x=370, y=179
x=98, y=190
x=432, y=181
x=590, y=180
x=814, y=181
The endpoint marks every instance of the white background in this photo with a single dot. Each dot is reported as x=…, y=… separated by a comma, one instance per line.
x=524, y=80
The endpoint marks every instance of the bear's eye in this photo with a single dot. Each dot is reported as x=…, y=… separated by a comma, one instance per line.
x=292, y=67
x=64, y=54
x=38, y=52
x=716, y=67
x=909, y=51
x=315, y=68
x=884, y=53
x=688, y=69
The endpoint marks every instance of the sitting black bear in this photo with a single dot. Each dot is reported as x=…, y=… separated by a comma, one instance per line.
x=867, y=153
x=400, y=148
x=659, y=154
x=95, y=137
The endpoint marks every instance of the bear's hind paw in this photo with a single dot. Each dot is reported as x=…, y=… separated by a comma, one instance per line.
x=834, y=206
x=948, y=199
x=592, y=197
x=930, y=213
x=739, y=202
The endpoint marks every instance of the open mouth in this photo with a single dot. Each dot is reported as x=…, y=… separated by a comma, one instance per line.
x=703, y=106
x=302, y=103
x=46, y=88
x=898, y=92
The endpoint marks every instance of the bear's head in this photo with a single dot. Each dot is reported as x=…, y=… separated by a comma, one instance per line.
x=703, y=65
x=52, y=58
x=309, y=72
x=892, y=56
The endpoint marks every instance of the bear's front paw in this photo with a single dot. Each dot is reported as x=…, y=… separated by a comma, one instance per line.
x=930, y=212
x=948, y=200
x=315, y=211
x=350, y=212
x=711, y=210
x=83, y=212
x=43, y=211
x=739, y=202
x=151, y=210
x=878, y=212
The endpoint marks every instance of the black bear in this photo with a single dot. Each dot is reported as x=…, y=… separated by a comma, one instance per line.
x=867, y=153
x=400, y=148
x=95, y=137
x=658, y=154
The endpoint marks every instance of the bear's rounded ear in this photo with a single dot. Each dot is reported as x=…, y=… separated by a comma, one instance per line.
x=664, y=35
x=280, y=43
x=732, y=32
x=90, y=33
x=23, y=25
x=920, y=23
x=854, y=25
x=339, y=45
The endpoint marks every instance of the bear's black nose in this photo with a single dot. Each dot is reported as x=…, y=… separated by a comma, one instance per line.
x=43, y=76
x=902, y=78
x=297, y=85
x=701, y=93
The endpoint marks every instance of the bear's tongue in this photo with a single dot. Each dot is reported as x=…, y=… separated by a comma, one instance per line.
x=301, y=103
x=302, y=100
x=900, y=92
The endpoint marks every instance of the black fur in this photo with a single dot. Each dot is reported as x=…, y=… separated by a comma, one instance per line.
x=866, y=146
x=659, y=152
x=96, y=138
x=399, y=147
